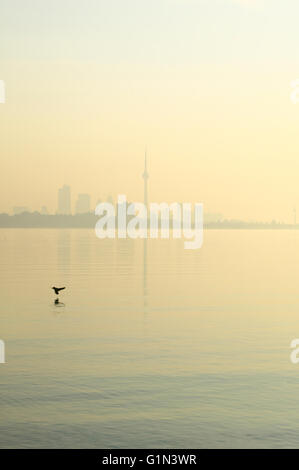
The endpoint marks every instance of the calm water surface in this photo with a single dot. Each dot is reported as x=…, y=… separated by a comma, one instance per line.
x=155, y=346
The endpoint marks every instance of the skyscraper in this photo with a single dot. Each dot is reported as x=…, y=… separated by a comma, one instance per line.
x=20, y=210
x=83, y=204
x=64, y=200
x=145, y=177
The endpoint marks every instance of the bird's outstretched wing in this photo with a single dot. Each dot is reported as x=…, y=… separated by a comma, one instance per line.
x=57, y=289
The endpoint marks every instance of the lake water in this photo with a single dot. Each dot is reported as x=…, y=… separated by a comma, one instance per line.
x=155, y=346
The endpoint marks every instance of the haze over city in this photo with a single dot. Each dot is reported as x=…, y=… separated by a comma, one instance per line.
x=204, y=84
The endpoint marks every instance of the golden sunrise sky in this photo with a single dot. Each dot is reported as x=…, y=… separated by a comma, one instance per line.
x=204, y=84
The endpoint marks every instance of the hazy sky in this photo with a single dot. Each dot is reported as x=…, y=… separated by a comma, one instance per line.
x=205, y=84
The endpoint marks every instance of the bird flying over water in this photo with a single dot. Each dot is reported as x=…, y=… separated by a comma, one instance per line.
x=57, y=289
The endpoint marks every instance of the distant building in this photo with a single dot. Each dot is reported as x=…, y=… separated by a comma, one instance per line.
x=210, y=218
x=110, y=200
x=83, y=204
x=64, y=200
x=99, y=201
x=44, y=210
x=20, y=209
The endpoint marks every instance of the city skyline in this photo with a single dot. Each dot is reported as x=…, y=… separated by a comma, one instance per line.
x=83, y=202
x=83, y=205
